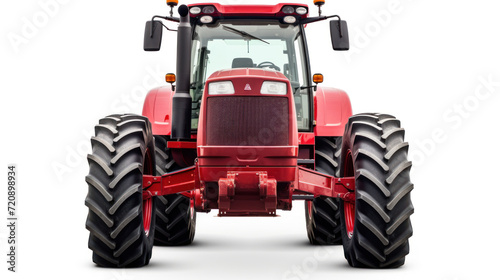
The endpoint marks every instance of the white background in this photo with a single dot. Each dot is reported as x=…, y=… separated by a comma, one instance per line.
x=78, y=61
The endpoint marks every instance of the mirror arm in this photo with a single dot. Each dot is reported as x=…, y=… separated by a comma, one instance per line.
x=315, y=87
x=174, y=19
x=320, y=18
x=312, y=19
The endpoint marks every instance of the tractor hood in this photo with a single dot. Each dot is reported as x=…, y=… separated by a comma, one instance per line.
x=246, y=113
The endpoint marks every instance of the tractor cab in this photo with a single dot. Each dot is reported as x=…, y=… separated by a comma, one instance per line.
x=269, y=39
x=223, y=37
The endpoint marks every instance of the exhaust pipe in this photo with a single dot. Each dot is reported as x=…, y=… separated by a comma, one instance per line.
x=181, y=103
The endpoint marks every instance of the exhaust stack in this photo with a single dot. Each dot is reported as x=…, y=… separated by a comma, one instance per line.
x=181, y=103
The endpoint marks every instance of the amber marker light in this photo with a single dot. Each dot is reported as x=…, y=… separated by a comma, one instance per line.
x=319, y=2
x=170, y=78
x=172, y=2
x=318, y=78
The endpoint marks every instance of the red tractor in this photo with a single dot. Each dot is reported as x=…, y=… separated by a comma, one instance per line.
x=247, y=130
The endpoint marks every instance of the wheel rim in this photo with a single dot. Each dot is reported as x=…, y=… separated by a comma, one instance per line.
x=147, y=208
x=147, y=204
x=191, y=207
x=349, y=206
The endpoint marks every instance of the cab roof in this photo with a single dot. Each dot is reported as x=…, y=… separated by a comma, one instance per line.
x=250, y=10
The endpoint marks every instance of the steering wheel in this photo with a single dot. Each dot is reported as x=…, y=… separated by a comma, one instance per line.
x=268, y=64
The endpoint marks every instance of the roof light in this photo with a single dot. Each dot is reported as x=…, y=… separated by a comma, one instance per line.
x=290, y=19
x=206, y=19
x=301, y=10
x=288, y=10
x=208, y=10
x=318, y=78
x=225, y=87
x=195, y=10
x=172, y=4
x=319, y=3
x=170, y=78
x=269, y=87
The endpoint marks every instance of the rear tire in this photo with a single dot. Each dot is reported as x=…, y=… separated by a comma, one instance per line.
x=323, y=214
x=175, y=213
x=119, y=220
x=376, y=226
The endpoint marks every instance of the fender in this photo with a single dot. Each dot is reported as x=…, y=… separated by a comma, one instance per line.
x=332, y=109
x=158, y=109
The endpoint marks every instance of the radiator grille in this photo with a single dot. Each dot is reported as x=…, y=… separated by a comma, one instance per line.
x=247, y=121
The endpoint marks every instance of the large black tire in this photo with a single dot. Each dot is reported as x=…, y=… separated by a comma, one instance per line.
x=119, y=219
x=376, y=227
x=323, y=214
x=175, y=216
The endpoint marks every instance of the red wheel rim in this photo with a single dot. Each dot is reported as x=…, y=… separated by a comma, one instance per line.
x=147, y=204
x=349, y=206
x=349, y=210
x=147, y=209
x=191, y=206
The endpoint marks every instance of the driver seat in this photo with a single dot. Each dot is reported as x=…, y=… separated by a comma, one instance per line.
x=242, y=62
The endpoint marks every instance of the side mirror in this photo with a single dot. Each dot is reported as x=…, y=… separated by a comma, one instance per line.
x=153, y=35
x=340, y=35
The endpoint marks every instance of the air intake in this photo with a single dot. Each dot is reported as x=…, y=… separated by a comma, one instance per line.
x=247, y=121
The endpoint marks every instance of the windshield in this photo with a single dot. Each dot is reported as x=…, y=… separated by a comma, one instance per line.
x=250, y=44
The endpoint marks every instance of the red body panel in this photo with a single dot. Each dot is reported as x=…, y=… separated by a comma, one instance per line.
x=158, y=109
x=250, y=10
x=247, y=156
x=213, y=173
x=306, y=138
x=181, y=145
x=332, y=110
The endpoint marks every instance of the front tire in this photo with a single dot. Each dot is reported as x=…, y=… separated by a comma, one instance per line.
x=120, y=221
x=175, y=213
x=323, y=213
x=376, y=225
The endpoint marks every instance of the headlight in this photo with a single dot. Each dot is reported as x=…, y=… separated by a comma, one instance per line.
x=288, y=10
x=221, y=88
x=290, y=19
x=195, y=10
x=206, y=19
x=301, y=11
x=273, y=88
x=208, y=10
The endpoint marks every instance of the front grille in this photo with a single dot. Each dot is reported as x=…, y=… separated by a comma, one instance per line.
x=247, y=121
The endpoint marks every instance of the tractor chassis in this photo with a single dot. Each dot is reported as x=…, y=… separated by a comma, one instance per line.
x=307, y=185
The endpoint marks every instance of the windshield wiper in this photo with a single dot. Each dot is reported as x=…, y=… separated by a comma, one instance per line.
x=243, y=33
